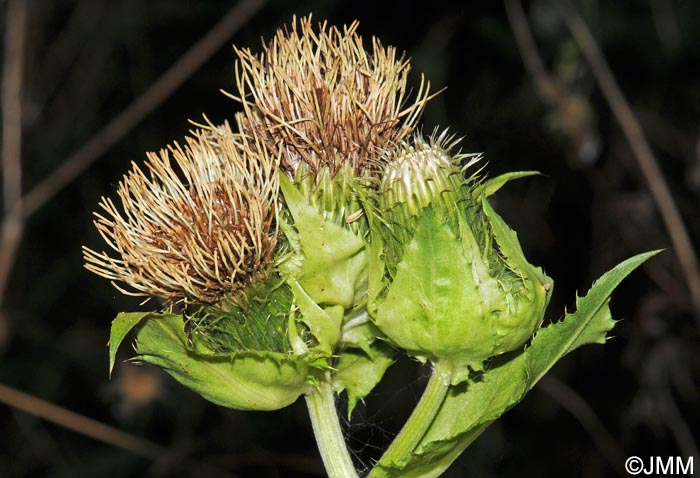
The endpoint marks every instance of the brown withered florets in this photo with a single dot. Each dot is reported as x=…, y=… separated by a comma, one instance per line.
x=322, y=99
x=196, y=226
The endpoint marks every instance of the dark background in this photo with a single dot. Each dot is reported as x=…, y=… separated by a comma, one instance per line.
x=85, y=61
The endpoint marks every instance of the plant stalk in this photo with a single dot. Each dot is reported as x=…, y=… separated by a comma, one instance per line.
x=329, y=435
x=421, y=418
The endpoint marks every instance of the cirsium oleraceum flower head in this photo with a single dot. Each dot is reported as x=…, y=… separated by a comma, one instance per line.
x=195, y=224
x=319, y=98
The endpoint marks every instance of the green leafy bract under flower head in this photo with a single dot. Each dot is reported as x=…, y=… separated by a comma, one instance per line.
x=196, y=226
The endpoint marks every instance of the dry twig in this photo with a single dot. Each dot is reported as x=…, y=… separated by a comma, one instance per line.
x=648, y=164
x=153, y=97
x=545, y=85
x=79, y=423
x=575, y=404
x=12, y=224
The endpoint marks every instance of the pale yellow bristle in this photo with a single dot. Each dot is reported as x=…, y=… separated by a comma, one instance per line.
x=319, y=97
x=194, y=226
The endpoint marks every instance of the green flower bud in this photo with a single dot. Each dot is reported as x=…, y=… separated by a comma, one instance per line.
x=417, y=175
x=459, y=287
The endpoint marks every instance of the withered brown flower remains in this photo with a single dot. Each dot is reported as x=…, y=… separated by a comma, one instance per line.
x=319, y=98
x=195, y=232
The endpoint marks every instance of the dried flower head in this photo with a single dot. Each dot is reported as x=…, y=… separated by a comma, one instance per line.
x=193, y=232
x=320, y=98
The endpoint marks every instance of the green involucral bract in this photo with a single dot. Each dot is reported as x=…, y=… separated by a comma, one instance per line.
x=327, y=265
x=245, y=380
x=461, y=290
x=254, y=319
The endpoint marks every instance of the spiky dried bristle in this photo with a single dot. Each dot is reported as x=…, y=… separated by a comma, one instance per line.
x=321, y=99
x=417, y=173
x=195, y=231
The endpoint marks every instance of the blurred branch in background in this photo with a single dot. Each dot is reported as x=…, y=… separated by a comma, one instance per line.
x=648, y=164
x=154, y=96
x=666, y=23
x=61, y=57
x=566, y=105
x=575, y=404
x=551, y=94
x=13, y=222
x=78, y=423
x=164, y=458
x=545, y=85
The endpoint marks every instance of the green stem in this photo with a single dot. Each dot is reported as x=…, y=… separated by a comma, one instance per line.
x=420, y=420
x=329, y=435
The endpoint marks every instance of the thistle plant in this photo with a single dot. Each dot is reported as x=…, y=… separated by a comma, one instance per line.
x=301, y=253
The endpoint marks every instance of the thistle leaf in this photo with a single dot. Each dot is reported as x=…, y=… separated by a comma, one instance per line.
x=588, y=325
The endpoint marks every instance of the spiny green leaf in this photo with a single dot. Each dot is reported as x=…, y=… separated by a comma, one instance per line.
x=588, y=325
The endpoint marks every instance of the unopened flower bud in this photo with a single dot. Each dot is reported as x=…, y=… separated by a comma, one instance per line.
x=460, y=288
